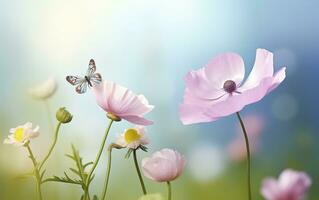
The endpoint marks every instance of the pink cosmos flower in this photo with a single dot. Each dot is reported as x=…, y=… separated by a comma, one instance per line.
x=217, y=90
x=162, y=166
x=237, y=148
x=122, y=102
x=291, y=185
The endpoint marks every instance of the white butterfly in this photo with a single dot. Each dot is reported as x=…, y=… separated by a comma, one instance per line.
x=89, y=80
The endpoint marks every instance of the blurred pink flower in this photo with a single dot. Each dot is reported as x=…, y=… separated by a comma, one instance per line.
x=162, y=166
x=291, y=185
x=122, y=102
x=217, y=90
x=237, y=148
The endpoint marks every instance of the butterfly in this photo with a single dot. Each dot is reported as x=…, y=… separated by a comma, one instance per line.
x=89, y=80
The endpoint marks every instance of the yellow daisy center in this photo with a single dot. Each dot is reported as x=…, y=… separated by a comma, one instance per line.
x=131, y=135
x=19, y=134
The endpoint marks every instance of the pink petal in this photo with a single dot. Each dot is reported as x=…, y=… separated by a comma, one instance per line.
x=294, y=183
x=262, y=69
x=228, y=66
x=194, y=113
x=138, y=106
x=270, y=189
x=158, y=169
x=120, y=98
x=198, y=85
x=278, y=78
x=136, y=120
x=101, y=93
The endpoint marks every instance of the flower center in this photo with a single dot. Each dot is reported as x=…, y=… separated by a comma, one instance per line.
x=19, y=134
x=131, y=135
x=230, y=86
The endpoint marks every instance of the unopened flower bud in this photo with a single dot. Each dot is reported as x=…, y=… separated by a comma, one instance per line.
x=63, y=116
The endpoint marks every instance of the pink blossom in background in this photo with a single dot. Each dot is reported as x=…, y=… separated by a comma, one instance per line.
x=164, y=165
x=217, y=90
x=291, y=185
x=254, y=126
x=122, y=102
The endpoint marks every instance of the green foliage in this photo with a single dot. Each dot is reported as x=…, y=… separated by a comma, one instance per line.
x=79, y=171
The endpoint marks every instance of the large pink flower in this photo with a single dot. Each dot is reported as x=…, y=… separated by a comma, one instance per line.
x=291, y=185
x=122, y=102
x=217, y=90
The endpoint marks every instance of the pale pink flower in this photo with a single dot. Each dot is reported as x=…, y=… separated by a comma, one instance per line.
x=122, y=102
x=217, y=90
x=237, y=148
x=291, y=185
x=164, y=165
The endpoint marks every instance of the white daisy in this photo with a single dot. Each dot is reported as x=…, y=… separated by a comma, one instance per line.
x=22, y=134
x=133, y=138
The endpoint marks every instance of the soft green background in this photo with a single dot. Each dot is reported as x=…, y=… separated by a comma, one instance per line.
x=149, y=45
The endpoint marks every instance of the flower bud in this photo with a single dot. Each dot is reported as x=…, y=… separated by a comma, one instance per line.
x=164, y=165
x=63, y=116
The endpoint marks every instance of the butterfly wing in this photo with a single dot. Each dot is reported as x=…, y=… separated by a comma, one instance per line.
x=74, y=80
x=82, y=87
x=92, y=68
x=95, y=78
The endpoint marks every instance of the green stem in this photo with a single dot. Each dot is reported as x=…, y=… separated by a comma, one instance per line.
x=98, y=156
x=248, y=155
x=86, y=194
x=56, y=134
x=169, y=188
x=36, y=171
x=139, y=172
x=109, y=164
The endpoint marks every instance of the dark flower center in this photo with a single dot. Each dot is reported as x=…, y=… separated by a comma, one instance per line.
x=230, y=86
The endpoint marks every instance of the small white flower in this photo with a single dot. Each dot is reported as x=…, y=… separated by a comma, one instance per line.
x=44, y=90
x=134, y=137
x=22, y=134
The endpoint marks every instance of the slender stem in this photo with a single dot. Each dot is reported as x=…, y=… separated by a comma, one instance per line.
x=36, y=172
x=139, y=172
x=248, y=155
x=169, y=188
x=48, y=110
x=87, y=195
x=109, y=164
x=56, y=134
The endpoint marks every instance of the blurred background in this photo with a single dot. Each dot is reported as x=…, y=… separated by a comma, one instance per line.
x=148, y=46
